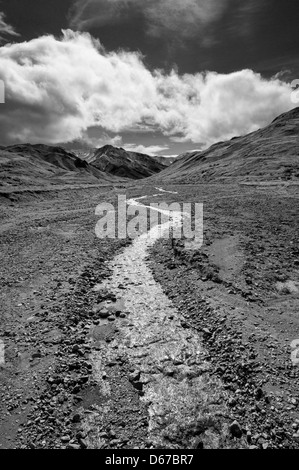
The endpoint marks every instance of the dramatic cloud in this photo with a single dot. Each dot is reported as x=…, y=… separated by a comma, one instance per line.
x=57, y=89
x=96, y=142
x=148, y=150
x=5, y=29
x=162, y=17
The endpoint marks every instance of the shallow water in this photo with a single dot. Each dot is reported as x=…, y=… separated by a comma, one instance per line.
x=168, y=356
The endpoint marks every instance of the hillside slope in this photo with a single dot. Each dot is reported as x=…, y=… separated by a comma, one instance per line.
x=271, y=153
x=29, y=165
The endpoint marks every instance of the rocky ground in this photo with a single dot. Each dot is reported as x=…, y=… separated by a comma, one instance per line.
x=80, y=371
x=240, y=291
x=50, y=260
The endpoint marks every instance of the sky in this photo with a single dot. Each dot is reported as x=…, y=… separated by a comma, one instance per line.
x=158, y=76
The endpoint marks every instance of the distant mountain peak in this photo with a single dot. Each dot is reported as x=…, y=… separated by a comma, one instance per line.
x=120, y=162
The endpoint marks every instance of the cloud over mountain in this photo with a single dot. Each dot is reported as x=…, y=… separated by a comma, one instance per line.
x=151, y=150
x=57, y=88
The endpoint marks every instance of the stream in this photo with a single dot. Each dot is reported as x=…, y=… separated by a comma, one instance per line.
x=167, y=355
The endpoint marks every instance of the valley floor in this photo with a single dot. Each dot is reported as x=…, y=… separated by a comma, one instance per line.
x=98, y=333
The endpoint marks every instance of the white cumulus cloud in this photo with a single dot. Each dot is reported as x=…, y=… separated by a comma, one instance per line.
x=56, y=89
x=151, y=150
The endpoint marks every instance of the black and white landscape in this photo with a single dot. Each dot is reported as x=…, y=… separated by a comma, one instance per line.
x=149, y=342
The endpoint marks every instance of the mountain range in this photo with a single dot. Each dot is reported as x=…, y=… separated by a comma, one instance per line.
x=268, y=154
x=28, y=166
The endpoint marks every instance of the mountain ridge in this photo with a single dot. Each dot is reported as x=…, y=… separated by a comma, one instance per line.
x=269, y=153
x=39, y=164
x=31, y=165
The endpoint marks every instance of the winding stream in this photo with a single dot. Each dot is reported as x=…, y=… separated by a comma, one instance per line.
x=165, y=352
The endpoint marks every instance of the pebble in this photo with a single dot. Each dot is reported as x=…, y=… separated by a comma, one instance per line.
x=104, y=313
x=235, y=429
